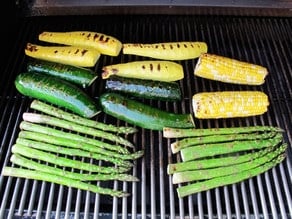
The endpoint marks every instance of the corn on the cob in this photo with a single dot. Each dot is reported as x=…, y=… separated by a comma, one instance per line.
x=228, y=104
x=70, y=55
x=105, y=44
x=167, y=50
x=229, y=70
x=151, y=70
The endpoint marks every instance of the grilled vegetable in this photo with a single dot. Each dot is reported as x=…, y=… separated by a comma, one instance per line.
x=57, y=112
x=63, y=161
x=151, y=70
x=167, y=50
x=203, y=174
x=53, y=121
x=187, y=142
x=195, y=132
x=56, y=91
x=204, y=185
x=229, y=70
x=150, y=89
x=30, y=164
x=39, y=175
x=70, y=55
x=77, y=75
x=142, y=115
x=67, y=136
x=214, y=162
x=215, y=149
x=45, y=146
x=228, y=104
x=105, y=44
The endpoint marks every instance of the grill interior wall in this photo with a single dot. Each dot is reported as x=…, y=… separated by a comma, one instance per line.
x=262, y=40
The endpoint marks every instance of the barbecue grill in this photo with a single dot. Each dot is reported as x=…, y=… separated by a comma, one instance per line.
x=258, y=32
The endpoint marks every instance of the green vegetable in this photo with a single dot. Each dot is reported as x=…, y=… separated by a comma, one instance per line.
x=50, y=120
x=30, y=164
x=207, y=150
x=77, y=75
x=40, y=137
x=204, y=185
x=39, y=175
x=192, y=175
x=142, y=115
x=56, y=91
x=67, y=135
x=149, y=89
x=62, y=161
x=187, y=142
x=57, y=112
x=213, y=162
x=70, y=151
x=170, y=132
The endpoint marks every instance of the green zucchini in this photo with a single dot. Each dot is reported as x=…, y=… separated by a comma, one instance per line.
x=56, y=91
x=159, y=90
x=141, y=114
x=78, y=75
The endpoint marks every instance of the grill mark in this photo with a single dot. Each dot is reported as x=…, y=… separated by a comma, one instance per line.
x=101, y=38
x=185, y=46
x=84, y=51
x=95, y=36
x=31, y=48
x=178, y=46
x=171, y=47
x=158, y=67
x=143, y=67
x=151, y=67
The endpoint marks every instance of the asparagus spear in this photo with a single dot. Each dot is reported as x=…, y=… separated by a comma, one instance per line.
x=76, y=144
x=30, y=164
x=206, y=150
x=62, y=161
x=50, y=120
x=216, y=162
x=39, y=175
x=70, y=151
x=192, y=141
x=188, y=176
x=193, y=132
x=200, y=186
x=57, y=112
x=58, y=133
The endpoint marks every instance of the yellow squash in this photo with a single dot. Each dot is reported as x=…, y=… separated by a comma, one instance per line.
x=167, y=50
x=151, y=70
x=105, y=44
x=70, y=55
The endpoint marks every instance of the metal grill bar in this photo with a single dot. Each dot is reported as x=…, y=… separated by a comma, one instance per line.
x=265, y=41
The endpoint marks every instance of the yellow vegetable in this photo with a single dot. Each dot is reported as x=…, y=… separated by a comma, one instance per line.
x=167, y=51
x=229, y=104
x=70, y=55
x=151, y=70
x=229, y=70
x=105, y=44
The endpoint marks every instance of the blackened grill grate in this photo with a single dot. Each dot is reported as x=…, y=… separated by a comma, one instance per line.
x=266, y=41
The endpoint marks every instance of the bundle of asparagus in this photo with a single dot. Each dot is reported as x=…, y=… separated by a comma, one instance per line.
x=53, y=141
x=217, y=157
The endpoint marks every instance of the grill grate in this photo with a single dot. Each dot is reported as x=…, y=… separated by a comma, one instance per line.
x=266, y=41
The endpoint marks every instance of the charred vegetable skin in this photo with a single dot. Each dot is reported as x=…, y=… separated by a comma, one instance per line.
x=142, y=115
x=167, y=50
x=78, y=75
x=160, y=90
x=56, y=91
